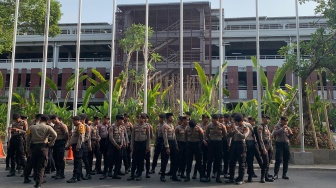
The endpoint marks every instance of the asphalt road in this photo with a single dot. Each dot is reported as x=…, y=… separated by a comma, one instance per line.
x=305, y=178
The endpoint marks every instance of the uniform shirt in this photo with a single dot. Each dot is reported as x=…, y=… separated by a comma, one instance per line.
x=88, y=135
x=281, y=134
x=215, y=132
x=194, y=134
x=240, y=133
x=168, y=132
x=103, y=130
x=180, y=133
x=62, y=131
x=227, y=137
x=20, y=128
x=128, y=126
x=250, y=135
x=141, y=133
x=39, y=133
x=78, y=136
x=117, y=135
x=264, y=134
x=151, y=132
x=159, y=132
x=95, y=133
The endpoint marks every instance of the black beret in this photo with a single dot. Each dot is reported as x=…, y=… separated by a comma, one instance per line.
x=168, y=115
x=119, y=116
x=96, y=117
x=283, y=118
x=226, y=115
x=162, y=116
x=76, y=118
x=205, y=116
x=215, y=116
x=265, y=116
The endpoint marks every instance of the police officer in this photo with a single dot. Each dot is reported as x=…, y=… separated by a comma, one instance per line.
x=238, y=131
x=76, y=141
x=194, y=137
x=127, y=152
x=86, y=146
x=282, y=134
x=16, y=133
x=170, y=149
x=37, y=147
x=148, y=154
x=226, y=145
x=59, y=147
x=204, y=145
x=29, y=166
x=266, y=149
x=103, y=134
x=252, y=149
x=114, y=154
x=158, y=141
x=139, y=147
x=95, y=139
x=181, y=141
x=214, y=133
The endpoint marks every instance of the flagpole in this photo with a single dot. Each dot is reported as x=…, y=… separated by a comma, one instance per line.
x=181, y=57
x=77, y=57
x=299, y=77
x=11, y=78
x=112, y=56
x=220, y=57
x=258, y=62
x=146, y=59
x=45, y=58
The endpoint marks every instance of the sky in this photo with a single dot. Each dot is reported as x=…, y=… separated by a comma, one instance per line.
x=101, y=10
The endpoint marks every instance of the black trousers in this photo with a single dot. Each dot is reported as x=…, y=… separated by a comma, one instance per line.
x=85, y=158
x=215, y=153
x=252, y=151
x=157, y=151
x=194, y=149
x=16, y=152
x=78, y=155
x=147, y=159
x=181, y=157
x=103, y=150
x=266, y=159
x=96, y=152
x=28, y=168
x=39, y=160
x=138, y=157
x=282, y=154
x=238, y=153
x=226, y=155
x=173, y=159
x=126, y=157
x=116, y=157
x=51, y=163
x=58, y=155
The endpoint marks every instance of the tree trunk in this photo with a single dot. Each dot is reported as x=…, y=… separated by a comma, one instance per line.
x=312, y=123
x=325, y=112
x=125, y=79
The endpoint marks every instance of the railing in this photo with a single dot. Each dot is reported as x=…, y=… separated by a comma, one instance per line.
x=249, y=57
x=71, y=31
x=269, y=26
x=40, y=60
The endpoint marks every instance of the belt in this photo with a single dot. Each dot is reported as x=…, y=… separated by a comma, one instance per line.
x=249, y=141
x=239, y=142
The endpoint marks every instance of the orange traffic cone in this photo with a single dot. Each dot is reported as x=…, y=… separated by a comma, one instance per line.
x=70, y=154
x=2, y=154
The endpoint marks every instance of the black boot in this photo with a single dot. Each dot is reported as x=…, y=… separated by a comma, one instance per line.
x=175, y=178
x=138, y=178
x=103, y=177
x=147, y=175
x=72, y=180
x=115, y=176
x=26, y=180
x=131, y=178
x=249, y=179
x=284, y=176
x=218, y=180
x=162, y=178
x=152, y=171
x=11, y=173
x=187, y=178
x=87, y=177
x=60, y=175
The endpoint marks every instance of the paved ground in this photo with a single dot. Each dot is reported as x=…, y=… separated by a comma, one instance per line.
x=300, y=176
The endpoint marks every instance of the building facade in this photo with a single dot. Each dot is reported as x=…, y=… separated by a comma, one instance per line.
x=201, y=44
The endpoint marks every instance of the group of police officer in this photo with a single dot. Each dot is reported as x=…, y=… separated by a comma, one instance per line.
x=214, y=144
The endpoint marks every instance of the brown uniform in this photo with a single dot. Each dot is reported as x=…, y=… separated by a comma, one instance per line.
x=37, y=145
x=194, y=138
x=17, y=133
x=59, y=147
x=181, y=141
x=117, y=138
x=95, y=148
x=169, y=140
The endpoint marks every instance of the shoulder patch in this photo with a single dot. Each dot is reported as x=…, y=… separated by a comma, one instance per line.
x=28, y=132
x=81, y=129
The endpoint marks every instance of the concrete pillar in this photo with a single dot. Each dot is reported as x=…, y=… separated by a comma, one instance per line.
x=232, y=80
x=249, y=82
x=271, y=70
x=35, y=79
x=23, y=78
x=66, y=74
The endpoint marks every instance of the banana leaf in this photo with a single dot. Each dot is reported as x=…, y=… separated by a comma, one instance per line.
x=50, y=82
